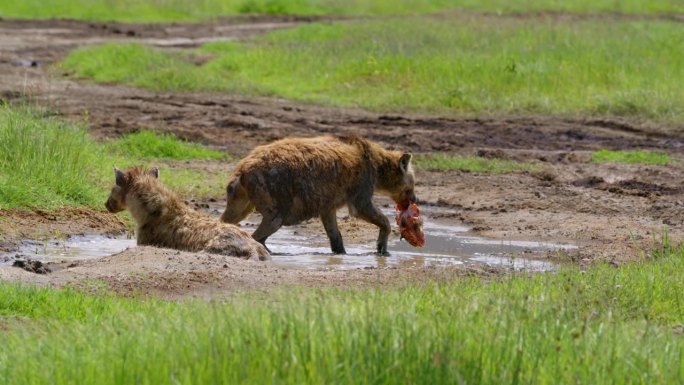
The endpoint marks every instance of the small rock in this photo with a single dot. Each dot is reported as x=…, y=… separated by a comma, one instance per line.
x=26, y=63
x=32, y=266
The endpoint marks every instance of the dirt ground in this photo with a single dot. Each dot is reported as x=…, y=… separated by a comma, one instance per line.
x=173, y=274
x=611, y=211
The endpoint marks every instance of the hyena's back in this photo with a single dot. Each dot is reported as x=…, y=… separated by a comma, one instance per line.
x=297, y=178
x=235, y=242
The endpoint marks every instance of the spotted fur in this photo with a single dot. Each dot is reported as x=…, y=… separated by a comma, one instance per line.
x=164, y=220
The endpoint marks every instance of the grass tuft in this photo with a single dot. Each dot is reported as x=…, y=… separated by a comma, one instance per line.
x=150, y=145
x=195, y=183
x=631, y=157
x=446, y=162
x=47, y=163
x=137, y=65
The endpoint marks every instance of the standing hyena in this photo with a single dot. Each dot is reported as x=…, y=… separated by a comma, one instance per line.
x=292, y=180
x=166, y=221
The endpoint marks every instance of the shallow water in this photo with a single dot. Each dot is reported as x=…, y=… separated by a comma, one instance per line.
x=69, y=249
x=446, y=244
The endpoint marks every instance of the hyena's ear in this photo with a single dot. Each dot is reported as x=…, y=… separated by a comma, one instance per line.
x=405, y=162
x=154, y=172
x=119, y=176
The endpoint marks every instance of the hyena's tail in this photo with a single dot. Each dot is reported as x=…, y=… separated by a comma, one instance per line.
x=238, y=205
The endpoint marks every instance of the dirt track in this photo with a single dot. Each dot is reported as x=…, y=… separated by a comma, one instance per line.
x=611, y=211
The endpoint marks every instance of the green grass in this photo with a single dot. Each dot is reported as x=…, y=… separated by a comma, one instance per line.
x=151, y=145
x=446, y=162
x=178, y=10
x=47, y=163
x=631, y=157
x=195, y=183
x=473, y=66
x=606, y=326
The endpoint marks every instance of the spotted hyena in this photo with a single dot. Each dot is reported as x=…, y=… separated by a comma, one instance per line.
x=292, y=180
x=164, y=220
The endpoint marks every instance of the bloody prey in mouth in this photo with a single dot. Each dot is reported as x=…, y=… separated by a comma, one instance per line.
x=410, y=224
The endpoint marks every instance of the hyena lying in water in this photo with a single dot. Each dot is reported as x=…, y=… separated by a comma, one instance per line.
x=292, y=180
x=166, y=221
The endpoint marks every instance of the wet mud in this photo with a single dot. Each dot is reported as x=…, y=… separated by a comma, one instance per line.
x=302, y=247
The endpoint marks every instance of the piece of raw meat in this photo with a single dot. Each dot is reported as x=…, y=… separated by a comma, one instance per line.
x=411, y=224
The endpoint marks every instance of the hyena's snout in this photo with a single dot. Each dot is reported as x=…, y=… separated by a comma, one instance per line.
x=406, y=198
x=108, y=206
x=225, y=217
x=113, y=206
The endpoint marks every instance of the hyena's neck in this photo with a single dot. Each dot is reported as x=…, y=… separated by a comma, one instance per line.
x=375, y=157
x=149, y=200
x=387, y=172
x=384, y=163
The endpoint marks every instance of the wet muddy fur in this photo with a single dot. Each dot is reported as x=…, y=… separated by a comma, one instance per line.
x=293, y=180
x=166, y=221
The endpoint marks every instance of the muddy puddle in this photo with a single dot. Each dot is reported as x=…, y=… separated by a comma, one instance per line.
x=307, y=247
x=446, y=244
x=69, y=249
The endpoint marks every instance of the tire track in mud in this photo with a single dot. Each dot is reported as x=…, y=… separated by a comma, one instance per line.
x=239, y=124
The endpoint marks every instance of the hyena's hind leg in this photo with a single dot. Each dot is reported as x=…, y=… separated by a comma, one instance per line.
x=238, y=204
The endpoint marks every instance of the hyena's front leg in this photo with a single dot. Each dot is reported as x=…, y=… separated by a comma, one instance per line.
x=368, y=212
x=269, y=225
x=329, y=220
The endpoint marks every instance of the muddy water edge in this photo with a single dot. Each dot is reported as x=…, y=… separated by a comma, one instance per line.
x=448, y=243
